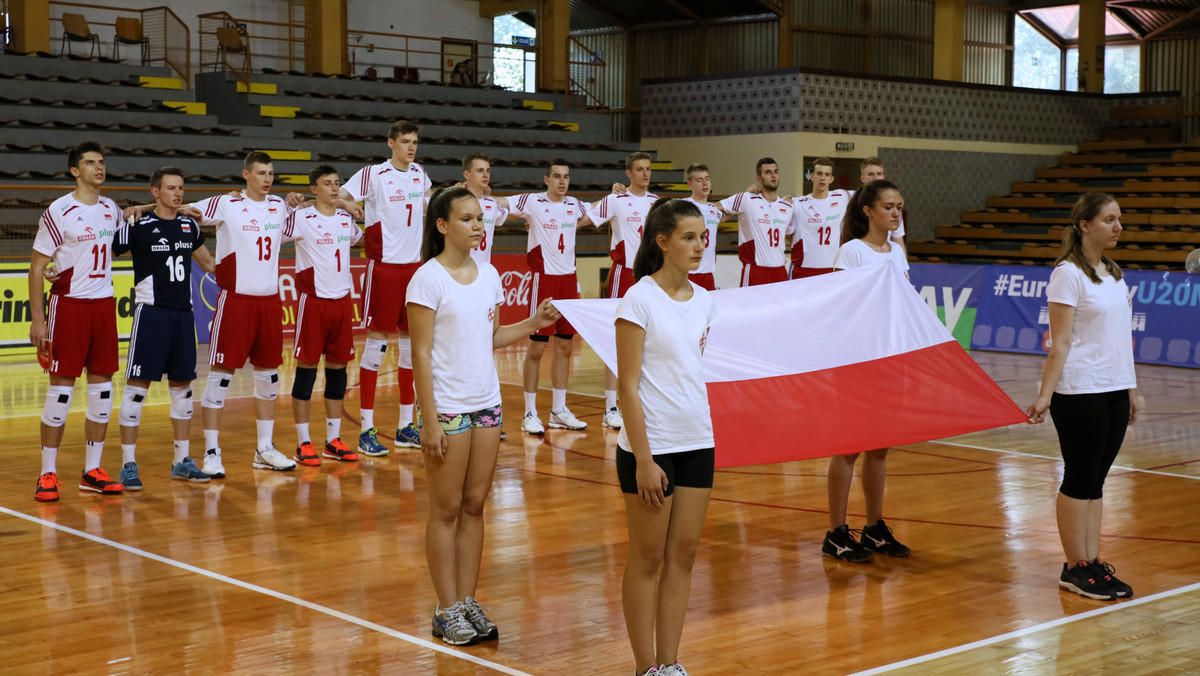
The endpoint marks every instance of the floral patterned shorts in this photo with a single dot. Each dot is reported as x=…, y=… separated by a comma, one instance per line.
x=457, y=423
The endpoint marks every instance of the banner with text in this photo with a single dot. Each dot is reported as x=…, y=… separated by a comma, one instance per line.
x=15, y=315
x=517, y=279
x=952, y=292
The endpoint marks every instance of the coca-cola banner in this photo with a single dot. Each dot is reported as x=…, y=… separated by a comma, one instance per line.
x=517, y=279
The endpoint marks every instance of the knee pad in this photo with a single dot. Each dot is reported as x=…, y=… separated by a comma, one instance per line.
x=131, y=406
x=181, y=403
x=404, y=353
x=266, y=385
x=335, y=383
x=100, y=404
x=302, y=386
x=58, y=402
x=216, y=389
x=373, y=352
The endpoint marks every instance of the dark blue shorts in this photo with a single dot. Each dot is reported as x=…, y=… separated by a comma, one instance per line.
x=162, y=342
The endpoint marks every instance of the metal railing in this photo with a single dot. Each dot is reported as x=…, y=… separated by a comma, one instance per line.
x=416, y=58
x=267, y=44
x=170, y=38
x=586, y=72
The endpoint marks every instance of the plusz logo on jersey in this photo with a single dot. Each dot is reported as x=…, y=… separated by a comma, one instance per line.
x=183, y=245
x=163, y=245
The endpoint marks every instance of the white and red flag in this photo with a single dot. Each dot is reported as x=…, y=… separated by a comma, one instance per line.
x=840, y=363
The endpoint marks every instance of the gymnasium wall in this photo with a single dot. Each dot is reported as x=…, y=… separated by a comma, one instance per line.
x=1174, y=65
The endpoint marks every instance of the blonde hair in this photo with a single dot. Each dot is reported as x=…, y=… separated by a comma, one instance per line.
x=1086, y=208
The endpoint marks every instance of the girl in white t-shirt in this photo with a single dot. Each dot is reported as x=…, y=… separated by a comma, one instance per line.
x=871, y=217
x=1088, y=385
x=454, y=318
x=665, y=448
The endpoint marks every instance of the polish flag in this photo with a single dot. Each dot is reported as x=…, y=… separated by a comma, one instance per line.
x=839, y=363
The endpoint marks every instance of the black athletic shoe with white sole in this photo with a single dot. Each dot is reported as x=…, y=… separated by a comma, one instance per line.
x=1085, y=581
x=840, y=544
x=879, y=539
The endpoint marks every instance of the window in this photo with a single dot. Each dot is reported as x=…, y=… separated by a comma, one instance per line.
x=514, y=68
x=1037, y=62
x=1046, y=52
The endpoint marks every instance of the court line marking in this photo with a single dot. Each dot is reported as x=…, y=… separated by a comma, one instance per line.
x=366, y=624
x=1121, y=605
x=1043, y=457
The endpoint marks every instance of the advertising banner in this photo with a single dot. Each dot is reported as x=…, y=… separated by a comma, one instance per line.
x=952, y=292
x=15, y=315
x=517, y=279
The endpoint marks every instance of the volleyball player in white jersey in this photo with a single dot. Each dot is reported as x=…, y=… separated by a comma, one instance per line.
x=872, y=170
x=700, y=182
x=665, y=453
x=324, y=322
x=627, y=211
x=454, y=311
x=393, y=196
x=477, y=176
x=80, y=332
x=763, y=221
x=817, y=224
x=248, y=323
x=872, y=216
x=553, y=218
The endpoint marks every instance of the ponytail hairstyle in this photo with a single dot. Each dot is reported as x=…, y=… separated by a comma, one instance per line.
x=662, y=220
x=855, y=224
x=440, y=206
x=1086, y=208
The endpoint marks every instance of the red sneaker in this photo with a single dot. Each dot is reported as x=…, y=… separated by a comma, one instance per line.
x=47, y=488
x=338, y=450
x=97, y=480
x=307, y=455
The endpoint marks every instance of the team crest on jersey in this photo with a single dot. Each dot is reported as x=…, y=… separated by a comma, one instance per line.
x=833, y=204
x=108, y=217
x=163, y=245
x=184, y=227
x=491, y=314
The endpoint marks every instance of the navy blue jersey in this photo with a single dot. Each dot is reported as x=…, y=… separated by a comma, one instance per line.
x=162, y=259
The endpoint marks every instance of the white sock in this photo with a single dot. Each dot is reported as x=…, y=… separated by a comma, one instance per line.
x=610, y=399
x=558, y=400
x=405, y=415
x=181, y=450
x=368, y=418
x=301, y=433
x=210, y=440
x=92, y=457
x=127, y=453
x=266, y=429
x=333, y=428
x=49, y=455
x=531, y=403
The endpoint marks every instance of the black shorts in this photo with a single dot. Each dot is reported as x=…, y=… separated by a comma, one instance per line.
x=690, y=469
x=162, y=342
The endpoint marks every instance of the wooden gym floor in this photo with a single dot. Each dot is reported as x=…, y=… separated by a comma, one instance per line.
x=322, y=570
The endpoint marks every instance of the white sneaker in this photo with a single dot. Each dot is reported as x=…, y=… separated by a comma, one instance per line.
x=613, y=419
x=270, y=458
x=531, y=425
x=212, y=464
x=673, y=670
x=566, y=420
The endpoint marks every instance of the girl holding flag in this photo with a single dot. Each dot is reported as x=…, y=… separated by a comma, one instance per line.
x=871, y=217
x=665, y=454
x=454, y=317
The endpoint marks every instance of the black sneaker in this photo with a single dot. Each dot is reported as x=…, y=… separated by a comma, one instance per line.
x=1085, y=581
x=840, y=544
x=1105, y=571
x=879, y=539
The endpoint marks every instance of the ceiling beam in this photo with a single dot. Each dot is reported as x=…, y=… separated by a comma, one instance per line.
x=1146, y=6
x=771, y=7
x=1042, y=28
x=684, y=10
x=495, y=8
x=607, y=14
x=1173, y=23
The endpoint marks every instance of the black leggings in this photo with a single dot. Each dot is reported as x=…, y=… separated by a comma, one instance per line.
x=1090, y=429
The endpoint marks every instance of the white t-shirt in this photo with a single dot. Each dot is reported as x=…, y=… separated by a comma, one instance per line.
x=552, y=228
x=323, y=251
x=627, y=212
x=817, y=229
x=493, y=213
x=394, y=203
x=249, y=235
x=712, y=218
x=857, y=253
x=674, y=397
x=79, y=237
x=464, y=372
x=1100, y=358
x=761, y=228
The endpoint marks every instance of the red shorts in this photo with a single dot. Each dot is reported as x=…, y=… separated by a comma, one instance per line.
x=246, y=327
x=754, y=275
x=801, y=273
x=387, y=289
x=620, y=279
x=559, y=287
x=83, y=334
x=325, y=327
x=703, y=280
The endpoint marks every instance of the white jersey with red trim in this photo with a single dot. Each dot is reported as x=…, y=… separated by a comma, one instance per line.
x=79, y=238
x=628, y=215
x=494, y=214
x=712, y=218
x=761, y=227
x=249, y=235
x=552, y=227
x=323, y=251
x=394, y=202
x=817, y=229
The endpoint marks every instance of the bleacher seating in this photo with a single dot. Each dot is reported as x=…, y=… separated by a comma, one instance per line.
x=1156, y=184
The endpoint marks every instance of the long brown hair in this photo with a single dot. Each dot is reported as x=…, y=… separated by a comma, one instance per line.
x=855, y=224
x=1086, y=208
